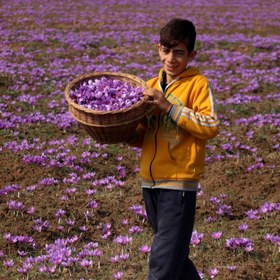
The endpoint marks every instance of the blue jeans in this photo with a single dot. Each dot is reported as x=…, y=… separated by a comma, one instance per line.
x=171, y=214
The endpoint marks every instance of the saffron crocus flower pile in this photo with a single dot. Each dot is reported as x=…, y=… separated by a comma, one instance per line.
x=106, y=94
x=71, y=208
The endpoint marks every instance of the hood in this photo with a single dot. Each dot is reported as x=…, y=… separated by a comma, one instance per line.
x=188, y=72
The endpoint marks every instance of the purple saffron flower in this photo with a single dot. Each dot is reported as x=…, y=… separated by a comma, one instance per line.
x=21, y=253
x=125, y=222
x=43, y=269
x=115, y=259
x=136, y=170
x=70, y=222
x=73, y=179
x=41, y=225
x=273, y=239
x=118, y=275
x=30, y=210
x=124, y=257
x=56, y=257
x=106, y=94
x=250, y=134
x=97, y=253
x=12, y=204
x=135, y=229
x=252, y=214
x=88, y=215
x=89, y=176
x=221, y=209
x=71, y=190
x=216, y=235
x=83, y=228
x=10, y=238
x=121, y=171
x=60, y=228
x=249, y=248
x=201, y=274
x=267, y=207
x=235, y=243
x=26, y=266
x=210, y=219
x=215, y=200
x=64, y=198
x=196, y=238
x=243, y=227
x=119, y=158
x=105, y=155
x=231, y=268
x=91, y=245
x=48, y=182
x=145, y=249
x=93, y=204
x=227, y=147
x=213, y=272
x=139, y=211
x=85, y=263
x=8, y=263
x=59, y=213
x=106, y=231
x=123, y=240
x=52, y=269
x=1, y=254
x=90, y=192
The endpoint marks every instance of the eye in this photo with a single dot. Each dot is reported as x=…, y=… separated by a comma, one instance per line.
x=179, y=53
x=164, y=50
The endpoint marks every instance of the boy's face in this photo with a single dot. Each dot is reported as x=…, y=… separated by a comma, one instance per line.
x=174, y=60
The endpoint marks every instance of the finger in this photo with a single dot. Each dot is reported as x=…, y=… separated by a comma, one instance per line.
x=148, y=93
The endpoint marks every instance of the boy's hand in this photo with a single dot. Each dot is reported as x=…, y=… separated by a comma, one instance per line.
x=158, y=99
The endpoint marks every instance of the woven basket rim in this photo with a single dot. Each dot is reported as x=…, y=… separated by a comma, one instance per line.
x=72, y=83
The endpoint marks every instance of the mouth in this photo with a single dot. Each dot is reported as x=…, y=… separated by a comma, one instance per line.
x=170, y=67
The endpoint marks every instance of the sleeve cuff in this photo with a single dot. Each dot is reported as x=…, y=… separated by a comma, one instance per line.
x=175, y=112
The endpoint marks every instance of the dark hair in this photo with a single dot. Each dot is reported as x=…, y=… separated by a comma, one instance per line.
x=176, y=31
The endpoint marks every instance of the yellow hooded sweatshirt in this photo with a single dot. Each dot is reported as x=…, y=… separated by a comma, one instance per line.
x=173, y=145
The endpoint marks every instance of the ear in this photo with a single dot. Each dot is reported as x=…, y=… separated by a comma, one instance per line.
x=192, y=55
x=158, y=47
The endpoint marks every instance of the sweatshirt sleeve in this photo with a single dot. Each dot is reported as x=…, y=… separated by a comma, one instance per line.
x=201, y=119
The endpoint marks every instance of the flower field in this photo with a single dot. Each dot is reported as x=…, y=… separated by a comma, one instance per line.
x=71, y=208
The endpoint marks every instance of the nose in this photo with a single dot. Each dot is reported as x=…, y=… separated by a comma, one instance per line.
x=171, y=56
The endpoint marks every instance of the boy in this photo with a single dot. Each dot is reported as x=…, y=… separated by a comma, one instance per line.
x=173, y=151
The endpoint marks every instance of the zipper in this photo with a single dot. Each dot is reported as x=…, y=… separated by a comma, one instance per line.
x=164, y=93
x=151, y=174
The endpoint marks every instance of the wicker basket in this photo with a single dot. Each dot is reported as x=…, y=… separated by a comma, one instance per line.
x=109, y=126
